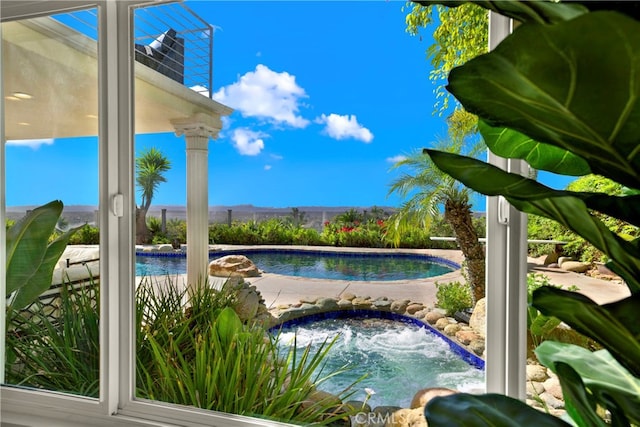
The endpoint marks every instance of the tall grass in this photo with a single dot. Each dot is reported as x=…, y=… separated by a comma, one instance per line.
x=57, y=349
x=191, y=349
x=204, y=356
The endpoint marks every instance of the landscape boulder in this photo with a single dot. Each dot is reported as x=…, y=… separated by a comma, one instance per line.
x=575, y=266
x=422, y=397
x=478, y=320
x=233, y=266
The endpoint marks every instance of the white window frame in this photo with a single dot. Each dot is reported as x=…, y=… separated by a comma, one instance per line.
x=117, y=405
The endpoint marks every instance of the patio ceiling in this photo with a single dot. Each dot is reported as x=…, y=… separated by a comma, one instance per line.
x=57, y=67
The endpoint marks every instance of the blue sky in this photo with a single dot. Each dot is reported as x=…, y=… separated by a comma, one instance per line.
x=327, y=95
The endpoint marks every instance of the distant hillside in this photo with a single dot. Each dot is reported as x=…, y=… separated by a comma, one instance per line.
x=313, y=215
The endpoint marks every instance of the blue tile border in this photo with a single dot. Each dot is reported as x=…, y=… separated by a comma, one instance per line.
x=465, y=354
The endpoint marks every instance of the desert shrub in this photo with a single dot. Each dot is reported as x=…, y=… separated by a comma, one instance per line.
x=453, y=297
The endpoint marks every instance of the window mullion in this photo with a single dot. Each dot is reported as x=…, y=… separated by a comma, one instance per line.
x=506, y=273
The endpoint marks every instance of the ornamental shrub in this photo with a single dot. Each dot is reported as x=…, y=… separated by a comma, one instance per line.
x=453, y=297
x=87, y=235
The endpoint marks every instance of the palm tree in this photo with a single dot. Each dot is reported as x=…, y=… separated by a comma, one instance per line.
x=428, y=189
x=151, y=165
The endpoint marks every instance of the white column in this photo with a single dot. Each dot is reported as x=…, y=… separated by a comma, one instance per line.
x=506, y=282
x=197, y=133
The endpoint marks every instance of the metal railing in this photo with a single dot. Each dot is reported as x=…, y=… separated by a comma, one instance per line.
x=169, y=38
x=174, y=40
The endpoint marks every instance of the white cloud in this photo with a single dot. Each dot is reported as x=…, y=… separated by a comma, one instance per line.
x=265, y=94
x=276, y=156
x=343, y=127
x=31, y=143
x=396, y=159
x=248, y=142
x=267, y=167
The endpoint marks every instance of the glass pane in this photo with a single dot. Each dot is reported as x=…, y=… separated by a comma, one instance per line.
x=50, y=77
x=300, y=166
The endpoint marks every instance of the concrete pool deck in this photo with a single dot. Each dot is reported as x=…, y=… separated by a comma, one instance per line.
x=284, y=290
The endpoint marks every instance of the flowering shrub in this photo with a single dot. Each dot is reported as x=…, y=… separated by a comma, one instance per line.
x=371, y=234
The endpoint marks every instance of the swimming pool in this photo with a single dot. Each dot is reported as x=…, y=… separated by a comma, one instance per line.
x=399, y=357
x=314, y=264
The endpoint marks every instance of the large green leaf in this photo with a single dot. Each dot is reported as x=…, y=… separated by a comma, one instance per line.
x=475, y=173
x=538, y=10
x=532, y=197
x=601, y=374
x=578, y=402
x=598, y=322
x=228, y=325
x=40, y=281
x=577, y=93
x=512, y=144
x=27, y=242
x=485, y=410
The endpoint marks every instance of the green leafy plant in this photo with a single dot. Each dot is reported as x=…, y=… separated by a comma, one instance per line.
x=562, y=92
x=86, y=235
x=453, y=297
x=205, y=356
x=55, y=346
x=31, y=258
x=539, y=325
x=197, y=354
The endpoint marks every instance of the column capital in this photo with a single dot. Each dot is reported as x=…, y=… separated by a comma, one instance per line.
x=199, y=125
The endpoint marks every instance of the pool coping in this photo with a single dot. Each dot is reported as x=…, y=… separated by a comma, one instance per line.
x=464, y=354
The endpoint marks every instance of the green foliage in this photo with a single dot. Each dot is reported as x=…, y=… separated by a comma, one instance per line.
x=198, y=354
x=176, y=230
x=350, y=216
x=30, y=257
x=541, y=228
x=538, y=325
x=151, y=166
x=577, y=247
x=567, y=79
x=206, y=357
x=274, y=231
x=86, y=235
x=461, y=34
x=57, y=350
x=471, y=410
x=371, y=232
x=453, y=297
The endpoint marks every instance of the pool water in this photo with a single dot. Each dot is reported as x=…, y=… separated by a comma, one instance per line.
x=399, y=358
x=320, y=265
